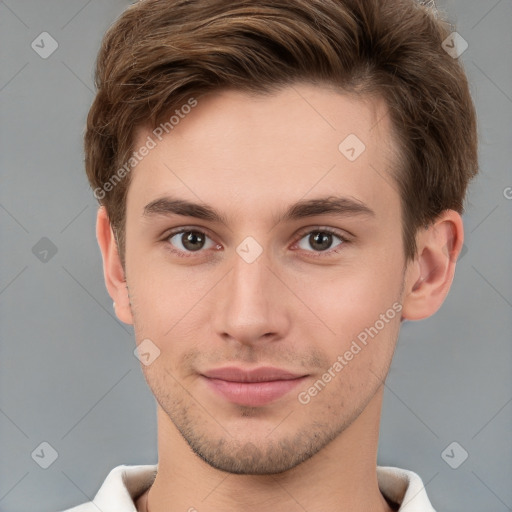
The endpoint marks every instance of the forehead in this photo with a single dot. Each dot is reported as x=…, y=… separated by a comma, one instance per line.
x=244, y=150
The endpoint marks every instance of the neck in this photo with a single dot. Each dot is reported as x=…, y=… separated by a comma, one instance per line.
x=341, y=477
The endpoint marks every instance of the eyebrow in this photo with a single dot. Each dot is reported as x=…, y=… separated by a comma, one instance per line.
x=340, y=206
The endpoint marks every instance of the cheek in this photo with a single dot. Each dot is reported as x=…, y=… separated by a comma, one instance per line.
x=351, y=300
x=163, y=292
x=362, y=308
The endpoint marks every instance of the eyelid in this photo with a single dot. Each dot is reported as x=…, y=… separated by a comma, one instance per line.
x=183, y=229
x=344, y=235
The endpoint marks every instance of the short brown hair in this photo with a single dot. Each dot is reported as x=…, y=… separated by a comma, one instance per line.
x=161, y=53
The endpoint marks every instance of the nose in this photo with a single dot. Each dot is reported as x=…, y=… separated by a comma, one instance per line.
x=251, y=304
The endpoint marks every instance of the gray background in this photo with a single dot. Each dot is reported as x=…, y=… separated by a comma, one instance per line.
x=68, y=375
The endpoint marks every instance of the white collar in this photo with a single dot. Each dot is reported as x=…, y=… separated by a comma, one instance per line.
x=125, y=483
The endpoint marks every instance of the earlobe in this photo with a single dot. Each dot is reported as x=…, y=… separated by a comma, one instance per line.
x=113, y=271
x=430, y=275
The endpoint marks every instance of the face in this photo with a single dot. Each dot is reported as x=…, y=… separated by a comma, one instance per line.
x=274, y=303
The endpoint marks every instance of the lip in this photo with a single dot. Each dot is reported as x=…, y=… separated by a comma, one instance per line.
x=261, y=374
x=255, y=387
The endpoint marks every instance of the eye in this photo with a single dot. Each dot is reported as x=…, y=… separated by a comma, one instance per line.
x=189, y=241
x=321, y=240
x=186, y=241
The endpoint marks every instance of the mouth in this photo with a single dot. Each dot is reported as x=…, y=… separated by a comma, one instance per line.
x=252, y=388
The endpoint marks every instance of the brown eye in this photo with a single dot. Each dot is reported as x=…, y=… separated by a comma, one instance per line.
x=321, y=240
x=189, y=240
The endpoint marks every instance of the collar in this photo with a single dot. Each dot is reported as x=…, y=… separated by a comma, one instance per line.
x=124, y=484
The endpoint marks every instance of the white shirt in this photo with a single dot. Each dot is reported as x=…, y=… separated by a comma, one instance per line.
x=124, y=484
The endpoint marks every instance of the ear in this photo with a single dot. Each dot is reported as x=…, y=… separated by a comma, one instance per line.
x=429, y=277
x=112, y=269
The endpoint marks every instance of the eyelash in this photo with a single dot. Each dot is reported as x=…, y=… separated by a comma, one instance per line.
x=301, y=235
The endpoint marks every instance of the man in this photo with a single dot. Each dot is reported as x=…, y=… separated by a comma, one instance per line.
x=281, y=184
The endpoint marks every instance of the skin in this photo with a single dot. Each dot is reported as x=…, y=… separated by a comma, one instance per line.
x=295, y=307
